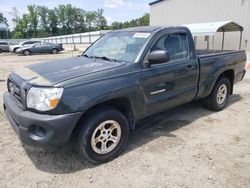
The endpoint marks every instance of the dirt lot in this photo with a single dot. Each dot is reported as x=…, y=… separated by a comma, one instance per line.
x=188, y=147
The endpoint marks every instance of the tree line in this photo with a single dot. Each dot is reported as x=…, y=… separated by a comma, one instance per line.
x=40, y=21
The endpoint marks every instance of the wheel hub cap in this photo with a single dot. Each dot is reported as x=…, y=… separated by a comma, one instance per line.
x=106, y=137
x=222, y=94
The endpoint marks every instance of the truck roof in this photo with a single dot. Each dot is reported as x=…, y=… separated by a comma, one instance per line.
x=141, y=29
x=148, y=28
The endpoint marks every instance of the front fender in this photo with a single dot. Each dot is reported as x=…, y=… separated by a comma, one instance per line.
x=83, y=96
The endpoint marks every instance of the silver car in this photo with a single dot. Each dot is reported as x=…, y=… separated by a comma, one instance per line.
x=13, y=48
x=4, y=46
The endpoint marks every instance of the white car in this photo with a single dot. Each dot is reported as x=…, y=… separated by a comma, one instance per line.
x=13, y=48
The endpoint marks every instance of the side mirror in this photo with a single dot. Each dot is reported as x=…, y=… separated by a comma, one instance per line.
x=158, y=56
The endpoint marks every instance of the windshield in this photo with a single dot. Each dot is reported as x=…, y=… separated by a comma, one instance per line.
x=119, y=46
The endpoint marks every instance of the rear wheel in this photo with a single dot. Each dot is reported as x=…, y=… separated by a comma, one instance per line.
x=219, y=97
x=0, y=51
x=26, y=52
x=102, y=135
x=54, y=51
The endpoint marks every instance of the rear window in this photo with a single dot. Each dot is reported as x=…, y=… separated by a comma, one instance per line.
x=30, y=42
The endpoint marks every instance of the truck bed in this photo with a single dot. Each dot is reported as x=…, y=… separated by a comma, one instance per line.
x=202, y=52
x=214, y=62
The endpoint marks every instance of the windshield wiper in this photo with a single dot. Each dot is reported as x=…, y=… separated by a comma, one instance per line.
x=105, y=58
x=102, y=57
x=85, y=55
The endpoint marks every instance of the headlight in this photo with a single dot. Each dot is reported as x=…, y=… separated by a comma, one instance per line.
x=43, y=99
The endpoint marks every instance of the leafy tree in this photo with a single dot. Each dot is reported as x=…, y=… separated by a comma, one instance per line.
x=33, y=19
x=53, y=22
x=64, y=19
x=90, y=18
x=69, y=15
x=101, y=21
x=60, y=12
x=142, y=21
x=80, y=24
x=116, y=25
x=22, y=28
x=43, y=12
x=3, y=19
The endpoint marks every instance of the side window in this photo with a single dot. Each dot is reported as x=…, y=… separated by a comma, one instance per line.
x=45, y=44
x=37, y=45
x=176, y=44
x=3, y=43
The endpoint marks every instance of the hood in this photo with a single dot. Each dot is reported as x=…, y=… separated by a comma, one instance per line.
x=53, y=72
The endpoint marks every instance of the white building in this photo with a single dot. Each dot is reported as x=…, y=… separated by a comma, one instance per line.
x=183, y=12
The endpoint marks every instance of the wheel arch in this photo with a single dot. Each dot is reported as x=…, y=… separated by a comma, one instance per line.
x=227, y=74
x=54, y=48
x=124, y=105
x=27, y=50
x=16, y=48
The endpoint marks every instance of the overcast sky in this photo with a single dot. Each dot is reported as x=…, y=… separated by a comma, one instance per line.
x=114, y=10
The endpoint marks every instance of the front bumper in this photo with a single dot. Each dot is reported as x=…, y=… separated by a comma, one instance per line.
x=39, y=129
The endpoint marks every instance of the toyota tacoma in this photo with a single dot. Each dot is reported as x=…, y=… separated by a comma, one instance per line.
x=126, y=75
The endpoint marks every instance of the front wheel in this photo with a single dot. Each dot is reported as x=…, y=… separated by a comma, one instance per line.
x=102, y=135
x=219, y=97
x=26, y=52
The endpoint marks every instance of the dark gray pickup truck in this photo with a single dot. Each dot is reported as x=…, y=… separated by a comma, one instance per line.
x=97, y=98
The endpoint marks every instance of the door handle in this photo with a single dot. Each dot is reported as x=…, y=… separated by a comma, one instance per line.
x=189, y=68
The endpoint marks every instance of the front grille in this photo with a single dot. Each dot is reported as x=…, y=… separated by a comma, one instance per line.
x=15, y=91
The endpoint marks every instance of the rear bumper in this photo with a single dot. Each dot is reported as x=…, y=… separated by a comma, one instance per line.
x=244, y=72
x=239, y=76
x=39, y=129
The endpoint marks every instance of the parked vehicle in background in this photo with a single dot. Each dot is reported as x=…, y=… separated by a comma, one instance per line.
x=4, y=46
x=13, y=48
x=125, y=76
x=40, y=47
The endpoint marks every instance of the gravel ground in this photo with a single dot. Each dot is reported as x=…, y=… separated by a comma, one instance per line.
x=187, y=147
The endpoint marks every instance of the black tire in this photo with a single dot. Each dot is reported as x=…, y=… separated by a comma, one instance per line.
x=90, y=124
x=0, y=51
x=26, y=52
x=211, y=102
x=54, y=51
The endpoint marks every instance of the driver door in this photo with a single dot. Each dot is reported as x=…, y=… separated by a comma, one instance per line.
x=45, y=47
x=36, y=48
x=172, y=83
